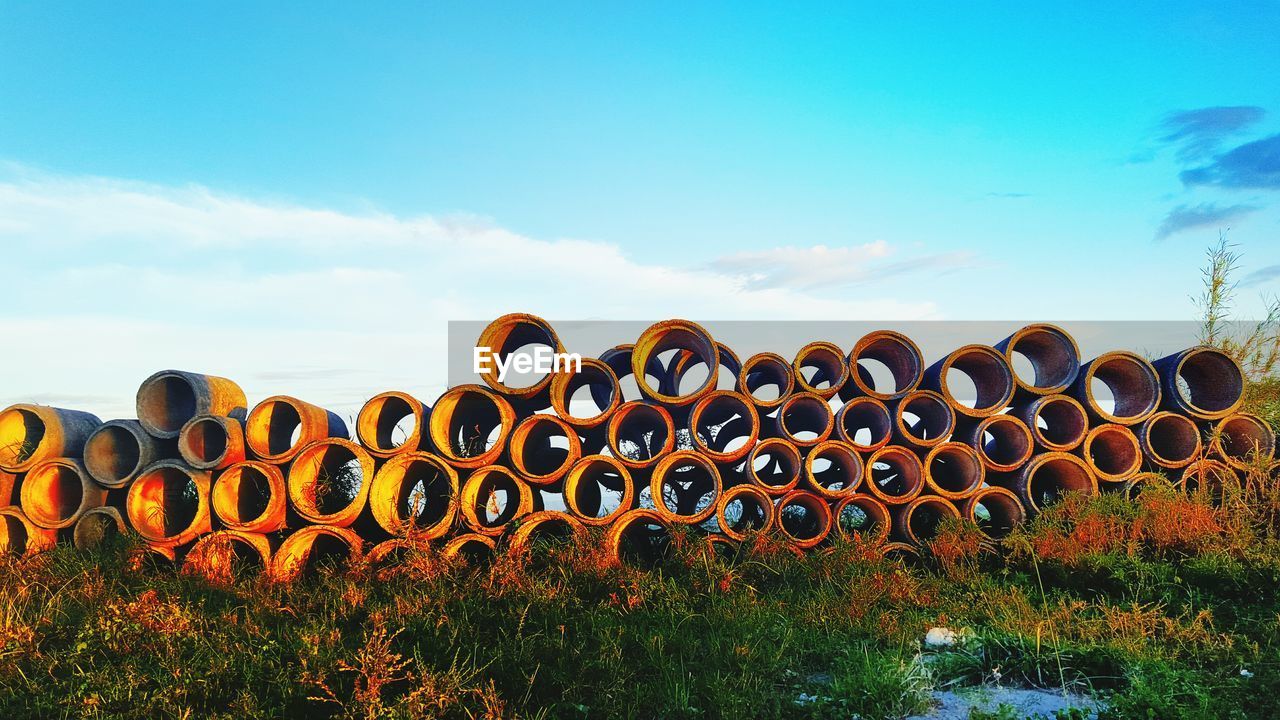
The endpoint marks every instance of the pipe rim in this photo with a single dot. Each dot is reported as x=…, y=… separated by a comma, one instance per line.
x=667, y=335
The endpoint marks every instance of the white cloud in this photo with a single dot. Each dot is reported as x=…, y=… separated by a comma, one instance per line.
x=110, y=280
x=819, y=266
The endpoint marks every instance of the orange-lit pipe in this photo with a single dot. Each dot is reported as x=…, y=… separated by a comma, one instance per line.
x=639, y=434
x=19, y=536
x=865, y=423
x=639, y=536
x=509, y=333
x=953, y=471
x=168, y=503
x=833, y=469
x=545, y=524
x=586, y=484
x=227, y=554
x=804, y=419
x=1057, y=422
x=685, y=486
x=995, y=510
x=803, y=518
x=1244, y=441
x=742, y=509
x=922, y=419
x=8, y=484
x=675, y=335
x=1052, y=354
x=1049, y=476
x=169, y=398
x=775, y=466
x=1208, y=474
x=31, y=434
x=493, y=497
x=329, y=482
x=280, y=426
x=1130, y=381
x=988, y=373
x=827, y=369
x=393, y=422
x=251, y=496
x=1169, y=441
x=896, y=354
x=312, y=546
x=470, y=425
x=543, y=448
x=684, y=361
x=894, y=475
x=918, y=520
x=602, y=385
x=724, y=426
x=862, y=516
x=1004, y=443
x=766, y=379
x=1202, y=382
x=118, y=450
x=1112, y=452
x=414, y=494
x=97, y=526
x=57, y=492
x=470, y=547
x=212, y=442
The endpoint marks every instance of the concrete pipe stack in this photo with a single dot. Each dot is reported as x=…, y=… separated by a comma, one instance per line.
x=672, y=430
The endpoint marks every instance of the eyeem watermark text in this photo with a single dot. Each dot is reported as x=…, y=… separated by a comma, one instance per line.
x=543, y=360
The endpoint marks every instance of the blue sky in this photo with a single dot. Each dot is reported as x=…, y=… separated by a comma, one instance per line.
x=226, y=170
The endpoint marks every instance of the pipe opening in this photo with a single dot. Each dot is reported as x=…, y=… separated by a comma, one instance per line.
x=834, y=469
x=474, y=424
x=642, y=539
x=775, y=465
x=225, y=556
x=205, y=439
x=473, y=550
x=685, y=487
x=598, y=488
x=925, y=417
x=744, y=509
x=806, y=419
x=862, y=516
x=724, y=425
x=1123, y=386
x=1173, y=439
x=896, y=474
x=1061, y=422
x=865, y=422
x=1209, y=380
x=518, y=336
x=978, y=377
x=588, y=396
x=97, y=528
x=664, y=341
x=167, y=402
x=333, y=479
x=766, y=378
x=21, y=432
x=619, y=361
x=545, y=531
x=388, y=422
x=821, y=368
x=954, y=469
x=1044, y=357
x=14, y=534
x=1113, y=452
x=282, y=423
x=1244, y=438
x=113, y=454
x=423, y=494
x=543, y=447
x=315, y=550
x=1207, y=474
x=886, y=364
x=53, y=493
x=167, y=502
x=1005, y=442
x=641, y=433
x=242, y=494
x=804, y=518
x=925, y=516
x=996, y=513
x=1056, y=476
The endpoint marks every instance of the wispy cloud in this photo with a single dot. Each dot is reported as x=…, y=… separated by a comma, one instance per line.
x=1199, y=132
x=1254, y=165
x=1009, y=195
x=1261, y=276
x=811, y=268
x=1188, y=217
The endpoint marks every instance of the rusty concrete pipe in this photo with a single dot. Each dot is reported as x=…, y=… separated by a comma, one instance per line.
x=679, y=335
x=118, y=450
x=598, y=489
x=542, y=449
x=225, y=555
x=472, y=548
x=492, y=498
x=1207, y=474
x=1049, y=476
x=618, y=358
x=470, y=425
x=168, y=503
x=900, y=552
x=280, y=426
x=212, y=442
x=804, y=419
x=833, y=469
x=775, y=466
x=414, y=494
x=1057, y=422
x=894, y=475
x=865, y=423
x=1112, y=453
x=678, y=370
x=1244, y=441
x=602, y=387
x=918, y=521
x=1169, y=441
x=820, y=368
x=743, y=509
x=1127, y=378
x=545, y=526
x=884, y=365
x=995, y=510
x=251, y=496
x=393, y=422
x=31, y=434
x=922, y=419
x=508, y=334
x=57, y=492
x=8, y=484
x=312, y=547
x=953, y=470
x=151, y=557
x=639, y=537
x=685, y=486
x=803, y=518
x=975, y=380
x=724, y=426
x=1051, y=354
x=1202, y=382
x=862, y=516
x=97, y=527
x=19, y=536
x=329, y=482
x=169, y=398
x=1003, y=442
x=396, y=551
x=640, y=433
x=767, y=379
x=719, y=547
